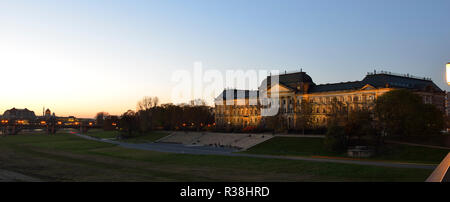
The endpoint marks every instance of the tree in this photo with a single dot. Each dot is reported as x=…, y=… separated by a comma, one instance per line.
x=145, y=113
x=401, y=113
x=335, y=138
x=147, y=103
x=276, y=123
x=304, y=116
x=338, y=112
x=110, y=122
x=100, y=118
x=359, y=124
x=128, y=124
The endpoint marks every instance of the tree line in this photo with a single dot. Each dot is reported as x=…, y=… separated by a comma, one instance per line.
x=397, y=114
x=150, y=115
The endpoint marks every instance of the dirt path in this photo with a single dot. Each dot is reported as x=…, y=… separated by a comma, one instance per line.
x=9, y=176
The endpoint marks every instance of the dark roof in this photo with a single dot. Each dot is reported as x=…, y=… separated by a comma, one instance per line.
x=377, y=80
x=380, y=81
x=238, y=93
x=337, y=86
x=290, y=80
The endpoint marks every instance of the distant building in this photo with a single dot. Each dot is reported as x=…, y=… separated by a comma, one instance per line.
x=298, y=87
x=23, y=114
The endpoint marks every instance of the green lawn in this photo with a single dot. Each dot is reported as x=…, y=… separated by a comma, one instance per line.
x=142, y=138
x=291, y=146
x=295, y=146
x=99, y=133
x=65, y=157
x=398, y=152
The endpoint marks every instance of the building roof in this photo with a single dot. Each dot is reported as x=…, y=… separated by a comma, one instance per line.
x=381, y=80
x=377, y=80
x=392, y=80
x=290, y=80
x=336, y=87
x=18, y=113
x=239, y=94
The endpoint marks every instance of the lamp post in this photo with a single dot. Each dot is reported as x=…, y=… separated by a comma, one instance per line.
x=448, y=73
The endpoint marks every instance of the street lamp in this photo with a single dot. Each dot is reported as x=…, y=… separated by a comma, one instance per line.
x=448, y=73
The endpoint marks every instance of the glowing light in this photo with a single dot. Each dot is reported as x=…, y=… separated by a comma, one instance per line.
x=43, y=122
x=59, y=122
x=448, y=73
x=21, y=122
x=90, y=123
x=114, y=124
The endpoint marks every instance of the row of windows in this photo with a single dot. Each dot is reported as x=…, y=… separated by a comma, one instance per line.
x=239, y=112
x=239, y=121
x=287, y=104
x=328, y=99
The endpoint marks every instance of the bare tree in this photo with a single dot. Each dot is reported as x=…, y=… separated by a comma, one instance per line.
x=338, y=112
x=146, y=103
x=197, y=102
x=304, y=116
x=145, y=114
x=155, y=101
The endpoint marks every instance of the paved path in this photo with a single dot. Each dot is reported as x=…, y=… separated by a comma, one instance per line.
x=420, y=145
x=9, y=176
x=167, y=147
x=300, y=136
x=207, y=150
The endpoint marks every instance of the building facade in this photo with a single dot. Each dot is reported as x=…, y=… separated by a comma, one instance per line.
x=241, y=108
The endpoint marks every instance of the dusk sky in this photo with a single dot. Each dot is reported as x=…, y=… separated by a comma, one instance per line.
x=85, y=56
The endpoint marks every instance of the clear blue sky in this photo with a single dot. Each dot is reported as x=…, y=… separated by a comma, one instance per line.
x=88, y=47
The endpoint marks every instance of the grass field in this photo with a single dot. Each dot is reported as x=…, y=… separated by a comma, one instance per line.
x=65, y=157
x=294, y=146
x=148, y=137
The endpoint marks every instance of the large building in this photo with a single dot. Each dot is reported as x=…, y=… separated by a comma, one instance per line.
x=23, y=114
x=295, y=88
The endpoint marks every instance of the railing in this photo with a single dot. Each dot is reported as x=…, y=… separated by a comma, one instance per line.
x=440, y=173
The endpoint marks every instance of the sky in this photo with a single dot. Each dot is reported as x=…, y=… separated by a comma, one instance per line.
x=86, y=56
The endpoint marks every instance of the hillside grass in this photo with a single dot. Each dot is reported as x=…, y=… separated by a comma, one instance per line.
x=138, y=138
x=306, y=146
x=65, y=157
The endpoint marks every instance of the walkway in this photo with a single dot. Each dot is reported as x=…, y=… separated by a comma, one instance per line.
x=9, y=176
x=206, y=150
x=414, y=144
